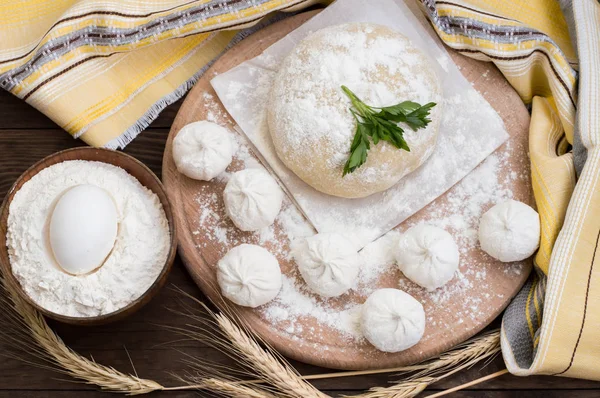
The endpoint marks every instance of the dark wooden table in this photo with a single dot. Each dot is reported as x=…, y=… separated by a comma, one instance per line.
x=27, y=136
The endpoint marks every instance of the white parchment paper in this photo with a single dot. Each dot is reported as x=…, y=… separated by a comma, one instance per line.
x=470, y=129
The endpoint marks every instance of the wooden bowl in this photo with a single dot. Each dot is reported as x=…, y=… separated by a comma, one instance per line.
x=134, y=167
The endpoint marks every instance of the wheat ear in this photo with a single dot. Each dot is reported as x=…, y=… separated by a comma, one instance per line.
x=276, y=372
x=238, y=342
x=264, y=365
x=33, y=336
x=419, y=377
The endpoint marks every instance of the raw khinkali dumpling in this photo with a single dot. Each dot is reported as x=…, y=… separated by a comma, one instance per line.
x=328, y=263
x=392, y=320
x=427, y=255
x=252, y=199
x=202, y=150
x=249, y=275
x=510, y=231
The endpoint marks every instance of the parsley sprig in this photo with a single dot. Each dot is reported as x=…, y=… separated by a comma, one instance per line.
x=381, y=124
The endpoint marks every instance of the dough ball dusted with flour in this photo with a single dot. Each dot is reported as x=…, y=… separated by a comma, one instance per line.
x=428, y=256
x=249, y=275
x=510, y=231
x=252, y=199
x=309, y=118
x=392, y=320
x=328, y=263
x=202, y=150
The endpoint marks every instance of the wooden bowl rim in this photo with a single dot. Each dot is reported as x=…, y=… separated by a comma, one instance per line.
x=135, y=305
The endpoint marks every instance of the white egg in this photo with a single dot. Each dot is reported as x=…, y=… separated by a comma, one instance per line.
x=83, y=228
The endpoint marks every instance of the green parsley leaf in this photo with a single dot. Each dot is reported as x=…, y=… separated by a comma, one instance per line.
x=381, y=124
x=358, y=150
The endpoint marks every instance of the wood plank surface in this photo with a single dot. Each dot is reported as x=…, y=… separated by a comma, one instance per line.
x=26, y=136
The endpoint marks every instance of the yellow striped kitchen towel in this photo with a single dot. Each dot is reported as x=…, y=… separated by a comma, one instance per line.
x=103, y=70
x=552, y=326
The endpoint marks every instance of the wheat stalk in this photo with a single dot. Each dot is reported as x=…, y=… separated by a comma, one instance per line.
x=403, y=390
x=234, y=390
x=469, y=384
x=238, y=342
x=33, y=335
x=223, y=387
x=277, y=377
x=420, y=376
x=267, y=365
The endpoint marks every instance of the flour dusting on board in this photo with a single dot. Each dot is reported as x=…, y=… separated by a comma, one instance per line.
x=306, y=317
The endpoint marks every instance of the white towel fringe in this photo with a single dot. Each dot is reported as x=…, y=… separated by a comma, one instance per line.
x=152, y=113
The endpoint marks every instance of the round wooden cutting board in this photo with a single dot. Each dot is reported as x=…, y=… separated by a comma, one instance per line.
x=477, y=295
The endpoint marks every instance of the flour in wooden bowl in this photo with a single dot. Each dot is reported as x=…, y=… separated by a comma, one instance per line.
x=134, y=263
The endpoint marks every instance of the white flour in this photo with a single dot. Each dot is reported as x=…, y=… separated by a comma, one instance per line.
x=140, y=251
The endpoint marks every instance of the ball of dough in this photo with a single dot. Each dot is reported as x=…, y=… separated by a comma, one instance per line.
x=392, y=320
x=202, y=150
x=428, y=256
x=309, y=118
x=510, y=231
x=328, y=263
x=252, y=199
x=249, y=275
